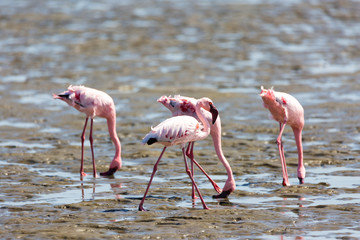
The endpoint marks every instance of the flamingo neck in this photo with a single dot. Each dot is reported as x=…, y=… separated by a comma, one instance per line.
x=202, y=119
x=298, y=139
x=216, y=136
x=111, y=121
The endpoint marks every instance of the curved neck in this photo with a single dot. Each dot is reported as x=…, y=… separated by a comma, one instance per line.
x=202, y=119
x=216, y=136
x=111, y=121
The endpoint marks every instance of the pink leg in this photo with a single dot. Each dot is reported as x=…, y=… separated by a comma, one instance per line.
x=141, y=208
x=82, y=150
x=92, y=148
x=192, y=179
x=190, y=154
x=216, y=187
x=301, y=168
x=286, y=182
x=282, y=156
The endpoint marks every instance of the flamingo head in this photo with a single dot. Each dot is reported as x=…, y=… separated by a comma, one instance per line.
x=64, y=96
x=71, y=96
x=208, y=105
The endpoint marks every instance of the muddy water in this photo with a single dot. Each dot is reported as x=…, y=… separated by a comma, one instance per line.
x=137, y=51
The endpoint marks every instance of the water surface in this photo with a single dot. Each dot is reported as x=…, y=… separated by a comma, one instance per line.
x=138, y=51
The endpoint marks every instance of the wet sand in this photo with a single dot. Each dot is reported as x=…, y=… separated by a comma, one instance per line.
x=138, y=51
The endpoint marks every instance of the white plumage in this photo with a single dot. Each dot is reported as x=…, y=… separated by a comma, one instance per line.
x=176, y=130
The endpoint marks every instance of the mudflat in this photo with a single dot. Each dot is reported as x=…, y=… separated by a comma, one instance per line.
x=137, y=51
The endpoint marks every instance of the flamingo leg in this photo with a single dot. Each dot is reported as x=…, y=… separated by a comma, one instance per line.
x=282, y=155
x=193, y=181
x=301, y=168
x=82, y=150
x=141, y=208
x=190, y=155
x=92, y=148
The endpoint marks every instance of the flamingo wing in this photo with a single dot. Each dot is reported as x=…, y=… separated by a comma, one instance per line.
x=179, y=105
x=173, y=131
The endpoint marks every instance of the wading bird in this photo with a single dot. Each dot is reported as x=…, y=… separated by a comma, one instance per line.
x=94, y=103
x=285, y=109
x=180, y=105
x=180, y=130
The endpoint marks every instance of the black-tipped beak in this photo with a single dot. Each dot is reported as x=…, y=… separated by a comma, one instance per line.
x=66, y=96
x=109, y=173
x=214, y=113
x=301, y=180
x=223, y=194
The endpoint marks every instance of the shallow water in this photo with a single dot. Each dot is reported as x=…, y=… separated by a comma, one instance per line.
x=137, y=51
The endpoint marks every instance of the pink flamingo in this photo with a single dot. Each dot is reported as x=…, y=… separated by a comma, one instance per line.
x=180, y=105
x=180, y=130
x=285, y=109
x=94, y=103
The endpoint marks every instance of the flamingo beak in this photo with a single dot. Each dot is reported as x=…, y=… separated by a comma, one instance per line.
x=66, y=96
x=109, y=173
x=60, y=96
x=214, y=113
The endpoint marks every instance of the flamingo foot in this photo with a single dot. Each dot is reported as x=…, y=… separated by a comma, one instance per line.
x=141, y=208
x=217, y=188
x=110, y=172
x=223, y=194
x=285, y=182
x=301, y=180
x=82, y=174
x=194, y=197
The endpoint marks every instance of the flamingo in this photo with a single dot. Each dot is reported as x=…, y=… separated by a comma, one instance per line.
x=94, y=103
x=285, y=109
x=180, y=105
x=180, y=130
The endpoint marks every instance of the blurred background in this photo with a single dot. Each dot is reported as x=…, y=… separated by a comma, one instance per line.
x=137, y=51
